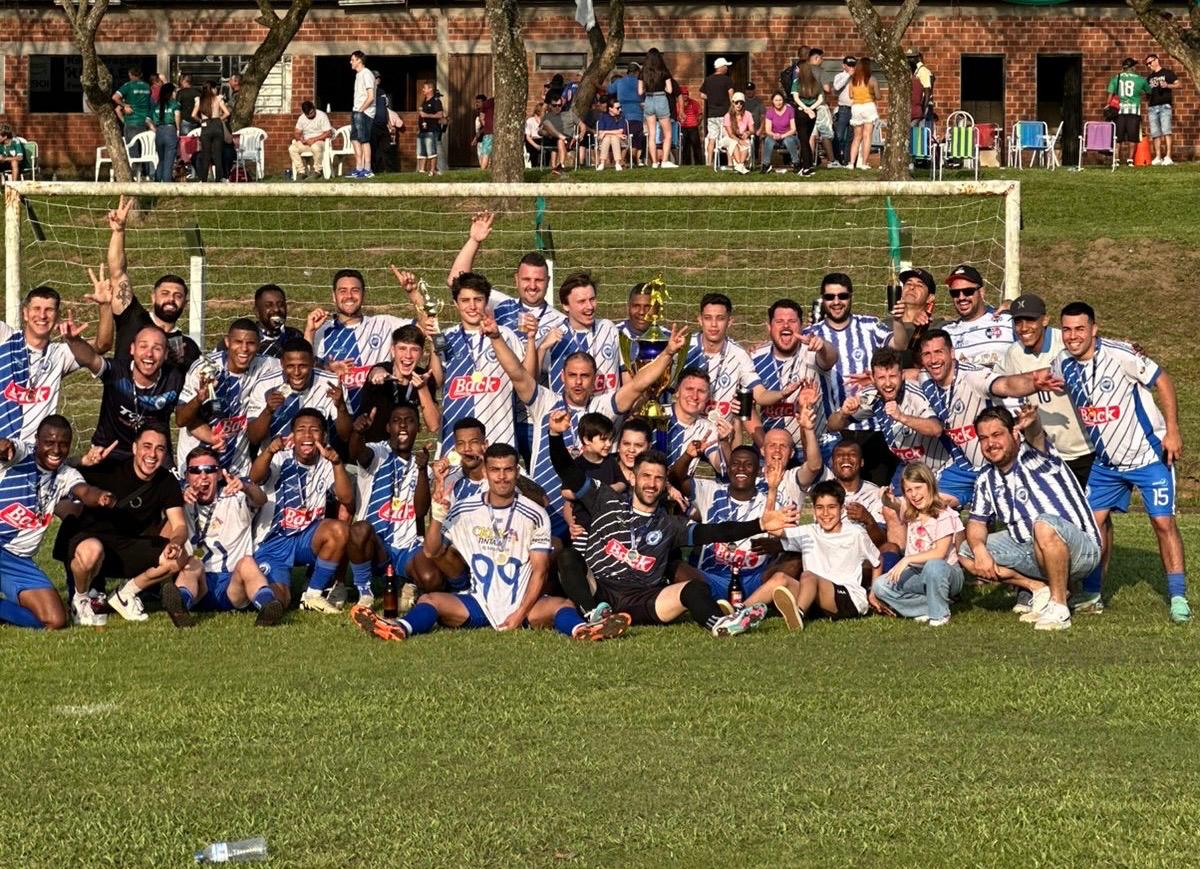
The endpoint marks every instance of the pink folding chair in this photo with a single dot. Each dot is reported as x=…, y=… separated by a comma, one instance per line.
x=1098, y=137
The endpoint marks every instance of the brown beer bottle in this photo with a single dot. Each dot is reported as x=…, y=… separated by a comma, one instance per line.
x=391, y=594
x=737, y=595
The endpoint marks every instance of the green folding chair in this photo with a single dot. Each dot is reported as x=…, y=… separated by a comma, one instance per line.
x=962, y=145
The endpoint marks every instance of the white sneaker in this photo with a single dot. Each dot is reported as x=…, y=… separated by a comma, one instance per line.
x=313, y=601
x=367, y=600
x=1167, y=161
x=600, y=168
x=667, y=164
x=741, y=169
x=1157, y=161
x=130, y=608
x=1037, y=606
x=1056, y=617
x=656, y=166
x=937, y=623
x=83, y=614
x=618, y=167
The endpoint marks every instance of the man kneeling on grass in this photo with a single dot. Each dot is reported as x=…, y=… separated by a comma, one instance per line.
x=504, y=537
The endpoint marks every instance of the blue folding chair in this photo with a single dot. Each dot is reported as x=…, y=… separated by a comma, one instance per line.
x=1032, y=136
x=922, y=146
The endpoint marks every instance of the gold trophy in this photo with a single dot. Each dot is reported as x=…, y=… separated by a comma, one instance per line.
x=432, y=306
x=646, y=348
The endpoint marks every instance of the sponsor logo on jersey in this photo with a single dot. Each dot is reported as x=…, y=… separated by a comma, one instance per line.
x=22, y=518
x=606, y=382
x=909, y=454
x=465, y=387
x=734, y=557
x=622, y=553
x=492, y=538
x=962, y=434
x=296, y=518
x=722, y=407
x=397, y=511
x=1095, y=415
x=19, y=394
x=230, y=426
x=782, y=410
x=356, y=376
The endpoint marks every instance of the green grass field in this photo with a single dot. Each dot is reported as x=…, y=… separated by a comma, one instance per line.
x=873, y=743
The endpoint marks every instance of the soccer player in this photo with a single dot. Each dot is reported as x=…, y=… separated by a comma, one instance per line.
x=779, y=450
x=631, y=538
x=465, y=478
x=140, y=536
x=1050, y=536
x=637, y=312
x=216, y=402
x=31, y=483
x=783, y=365
x=271, y=311
x=220, y=511
x=352, y=342
x=393, y=495
x=272, y=405
x=687, y=423
x=913, y=313
x=583, y=332
x=405, y=381
x=291, y=528
x=864, y=500
x=167, y=299
x=505, y=538
x=32, y=368
x=981, y=334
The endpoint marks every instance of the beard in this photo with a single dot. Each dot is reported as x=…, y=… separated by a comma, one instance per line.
x=167, y=316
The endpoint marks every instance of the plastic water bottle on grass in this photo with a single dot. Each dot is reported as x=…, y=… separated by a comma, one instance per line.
x=242, y=851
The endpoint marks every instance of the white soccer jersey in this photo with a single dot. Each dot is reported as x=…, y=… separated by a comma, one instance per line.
x=28, y=494
x=680, y=434
x=715, y=504
x=1112, y=392
x=837, y=556
x=855, y=343
x=476, y=384
x=790, y=493
x=461, y=486
x=984, y=340
x=296, y=495
x=387, y=491
x=1058, y=414
x=223, y=528
x=777, y=372
x=495, y=542
x=234, y=405
x=868, y=495
x=906, y=444
x=361, y=345
x=315, y=397
x=601, y=341
x=508, y=312
x=957, y=405
x=729, y=371
x=29, y=383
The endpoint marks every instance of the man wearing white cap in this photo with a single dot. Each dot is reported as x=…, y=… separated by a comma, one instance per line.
x=717, y=93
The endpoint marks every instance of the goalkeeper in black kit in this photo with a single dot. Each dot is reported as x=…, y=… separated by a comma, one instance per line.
x=632, y=535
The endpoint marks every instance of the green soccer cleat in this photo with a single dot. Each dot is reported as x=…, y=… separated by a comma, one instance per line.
x=1181, y=613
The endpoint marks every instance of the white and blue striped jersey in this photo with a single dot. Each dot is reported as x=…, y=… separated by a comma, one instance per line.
x=234, y=405
x=296, y=496
x=361, y=345
x=541, y=468
x=1112, y=393
x=508, y=311
x=680, y=434
x=495, y=542
x=776, y=372
x=906, y=444
x=957, y=405
x=476, y=384
x=461, y=486
x=387, y=491
x=626, y=329
x=28, y=493
x=224, y=528
x=29, y=383
x=855, y=344
x=729, y=371
x=601, y=341
x=316, y=397
x=984, y=340
x=1037, y=483
x=1059, y=416
x=715, y=504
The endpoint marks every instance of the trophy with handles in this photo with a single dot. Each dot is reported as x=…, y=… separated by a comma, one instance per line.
x=644, y=349
x=432, y=306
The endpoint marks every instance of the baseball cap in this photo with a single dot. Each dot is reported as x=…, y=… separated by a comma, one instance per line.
x=1128, y=63
x=967, y=273
x=850, y=60
x=1027, y=306
x=749, y=85
x=920, y=274
x=683, y=89
x=720, y=62
x=738, y=97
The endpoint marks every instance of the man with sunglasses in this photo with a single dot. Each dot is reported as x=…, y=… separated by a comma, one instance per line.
x=981, y=334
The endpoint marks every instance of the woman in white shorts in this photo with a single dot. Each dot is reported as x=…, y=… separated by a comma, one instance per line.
x=864, y=92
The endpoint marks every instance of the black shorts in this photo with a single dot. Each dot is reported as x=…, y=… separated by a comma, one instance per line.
x=1129, y=127
x=638, y=604
x=844, y=604
x=124, y=557
x=1081, y=469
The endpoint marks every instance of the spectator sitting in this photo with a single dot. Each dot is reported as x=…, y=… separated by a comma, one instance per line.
x=485, y=120
x=610, y=131
x=779, y=127
x=754, y=105
x=737, y=130
x=12, y=153
x=533, y=135
x=559, y=126
x=688, y=111
x=626, y=90
x=311, y=136
x=656, y=87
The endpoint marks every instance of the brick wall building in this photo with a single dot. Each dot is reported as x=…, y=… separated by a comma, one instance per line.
x=1002, y=62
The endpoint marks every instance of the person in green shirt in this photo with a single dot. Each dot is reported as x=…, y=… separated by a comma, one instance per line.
x=1129, y=88
x=133, y=104
x=12, y=154
x=164, y=120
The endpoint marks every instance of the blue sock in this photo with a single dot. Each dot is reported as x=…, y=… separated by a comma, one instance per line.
x=421, y=619
x=322, y=574
x=1176, y=585
x=1093, y=581
x=889, y=560
x=186, y=594
x=263, y=596
x=362, y=574
x=15, y=614
x=567, y=619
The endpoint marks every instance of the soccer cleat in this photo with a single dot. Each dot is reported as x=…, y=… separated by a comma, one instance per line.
x=313, y=601
x=613, y=625
x=172, y=604
x=757, y=613
x=337, y=595
x=725, y=606
x=408, y=597
x=1086, y=604
x=937, y=623
x=376, y=626
x=1055, y=617
x=598, y=613
x=741, y=621
x=1181, y=613
x=270, y=615
x=785, y=602
x=1037, y=605
x=130, y=608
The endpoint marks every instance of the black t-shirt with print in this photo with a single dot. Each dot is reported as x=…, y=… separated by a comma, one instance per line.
x=124, y=406
x=181, y=350
x=1160, y=94
x=141, y=504
x=431, y=106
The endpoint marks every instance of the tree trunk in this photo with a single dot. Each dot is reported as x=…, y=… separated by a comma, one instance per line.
x=95, y=79
x=512, y=90
x=1182, y=43
x=604, y=56
x=280, y=32
x=886, y=44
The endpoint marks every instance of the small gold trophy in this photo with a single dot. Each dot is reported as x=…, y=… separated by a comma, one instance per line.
x=432, y=306
x=646, y=348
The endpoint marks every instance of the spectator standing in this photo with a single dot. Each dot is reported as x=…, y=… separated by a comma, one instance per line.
x=165, y=118
x=312, y=134
x=688, y=111
x=864, y=92
x=841, y=121
x=656, y=87
x=737, y=134
x=627, y=91
x=429, y=129
x=213, y=114
x=807, y=95
x=133, y=104
x=1162, y=82
x=610, y=134
x=12, y=153
x=189, y=101
x=382, y=144
x=717, y=93
x=156, y=82
x=779, y=127
x=361, y=115
x=485, y=128
x=921, y=103
x=823, y=122
x=1128, y=87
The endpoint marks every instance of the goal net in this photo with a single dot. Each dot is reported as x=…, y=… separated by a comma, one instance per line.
x=756, y=242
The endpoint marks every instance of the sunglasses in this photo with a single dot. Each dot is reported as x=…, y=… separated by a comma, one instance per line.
x=965, y=291
x=196, y=470
x=739, y=102
x=835, y=297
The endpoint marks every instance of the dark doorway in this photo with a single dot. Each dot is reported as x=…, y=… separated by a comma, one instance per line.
x=982, y=88
x=402, y=78
x=1060, y=99
x=470, y=74
x=739, y=69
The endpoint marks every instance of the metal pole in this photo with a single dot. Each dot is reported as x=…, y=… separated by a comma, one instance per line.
x=1012, y=242
x=12, y=257
x=196, y=301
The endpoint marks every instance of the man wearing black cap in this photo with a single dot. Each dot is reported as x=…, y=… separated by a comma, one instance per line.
x=981, y=334
x=1128, y=87
x=913, y=315
x=754, y=105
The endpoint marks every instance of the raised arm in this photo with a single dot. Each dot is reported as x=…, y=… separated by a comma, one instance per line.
x=481, y=228
x=260, y=470
x=84, y=353
x=523, y=383
x=118, y=219
x=928, y=426
x=101, y=295
x=358, y=449
x=422, y=496
x=841, y=418
x=628, y=395
x=1021, y=385
x=572, y=477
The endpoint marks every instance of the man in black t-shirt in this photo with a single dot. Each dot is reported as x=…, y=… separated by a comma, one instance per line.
x=1162, y=82
x=188, y=98
x=271, y=311
x=631, y=539
x=403, y=382
x=429, y=129
x=717, y=93
x=141, y=537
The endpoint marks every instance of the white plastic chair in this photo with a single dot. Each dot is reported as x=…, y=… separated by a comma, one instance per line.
x=333, y=151
x=250, y=147
x=1050, y=156
x=1099, y=137
x=31, y=157
x=147, y=155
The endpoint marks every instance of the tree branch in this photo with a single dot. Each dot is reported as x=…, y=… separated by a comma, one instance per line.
x=269, y=16
x=604, y=56
x=903, y=18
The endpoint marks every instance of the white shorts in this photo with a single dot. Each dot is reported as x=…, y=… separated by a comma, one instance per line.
x=824, y=124
x=728, y=144
x=863, y=113
x=713, y=128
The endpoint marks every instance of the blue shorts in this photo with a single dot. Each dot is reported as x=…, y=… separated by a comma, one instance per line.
x=476, y=617
x=276, y=556
x=484, y=148
x=217, y=595
x=959, y=482
x=1110, y=489
x=427, y=144
x=18, y=574
x=461, y=583
x=360, y=127
x=718, y=584
x=656, y=105
x=399, y=558
x=1005, y=551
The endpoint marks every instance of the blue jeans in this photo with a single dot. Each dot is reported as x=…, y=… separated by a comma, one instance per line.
x=166, y=142
x=789, y=142
x=921, y=591
x=841, y=134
